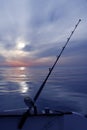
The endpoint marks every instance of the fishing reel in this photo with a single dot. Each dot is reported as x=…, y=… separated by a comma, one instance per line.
x=31, y=105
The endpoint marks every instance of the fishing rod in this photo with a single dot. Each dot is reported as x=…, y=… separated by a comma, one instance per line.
x=28, y=100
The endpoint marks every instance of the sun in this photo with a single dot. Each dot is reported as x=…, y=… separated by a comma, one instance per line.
x=20, y=44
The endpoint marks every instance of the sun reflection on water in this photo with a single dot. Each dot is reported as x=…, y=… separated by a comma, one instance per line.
x=17, y=78
x=24, y=87
x=22, y=82
x=22, y=68
x=15, y=74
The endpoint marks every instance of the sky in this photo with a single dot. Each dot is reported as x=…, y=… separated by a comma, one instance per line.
x=33, y=32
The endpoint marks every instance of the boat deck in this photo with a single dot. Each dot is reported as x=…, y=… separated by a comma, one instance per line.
x=44, y=122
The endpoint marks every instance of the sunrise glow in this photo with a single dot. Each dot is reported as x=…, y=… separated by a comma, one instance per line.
x=28, y=37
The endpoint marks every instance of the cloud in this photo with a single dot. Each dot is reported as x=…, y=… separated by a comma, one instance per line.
x=44, y=26
x=52, y=23
x=76, y=55
x=2, y=58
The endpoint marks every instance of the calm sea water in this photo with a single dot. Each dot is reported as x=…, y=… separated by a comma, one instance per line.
x=65, y=90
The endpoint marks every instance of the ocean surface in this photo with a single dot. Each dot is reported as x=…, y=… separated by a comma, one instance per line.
x=66, y=89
